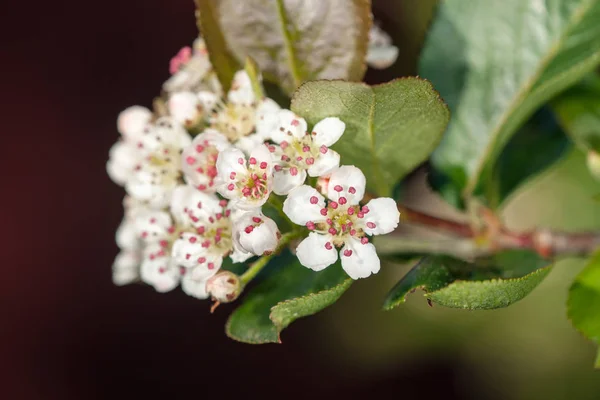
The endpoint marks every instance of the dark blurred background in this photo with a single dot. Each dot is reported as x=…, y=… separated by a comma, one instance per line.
x=68, y=333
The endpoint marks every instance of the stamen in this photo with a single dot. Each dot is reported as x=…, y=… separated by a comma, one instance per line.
x=328, y=246
x=314, y=200
x=347, y=252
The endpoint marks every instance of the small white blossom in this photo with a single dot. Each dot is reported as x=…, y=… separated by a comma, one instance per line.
x=381, y=53
x=224, y=287
x=341, y=223
x=253, y=234
x=204, y=237
x=246, y=183
x=200, y=158
x=158, y=171
x=301, y=152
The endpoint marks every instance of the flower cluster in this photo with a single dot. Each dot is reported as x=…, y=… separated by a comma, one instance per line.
x=198, y=174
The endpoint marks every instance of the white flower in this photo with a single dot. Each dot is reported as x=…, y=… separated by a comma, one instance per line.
x=224, y=287
x=341, y=223
x=246, y=183
x=158, y=172
x=159, y=270
x=254, y=234
x=200, y=158
x=381, y=53
x=186, y=108
x=300, y=152
x=132, y=121
x=204, y=238
x=194, y=287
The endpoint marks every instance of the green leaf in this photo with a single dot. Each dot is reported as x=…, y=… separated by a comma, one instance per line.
x=390, y=128
x=538, y=145
x=290, y=292
x=220, y=56
x=583, y=305
x=429, y=274
x=495, y=63
x=490, y=282
x=578, y=111
x=255, y=79
x=294, y=41
x=487, y=295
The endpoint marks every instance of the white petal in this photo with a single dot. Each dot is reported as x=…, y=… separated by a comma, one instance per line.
x=208, y=268
x=122, y=159
x=299, y=208
x=248, y=143
x=262, y=154
x=267, y=116
x=289, y=126
x=313, y=253
x=183, y=107
x=193, y=287
x=190, y=206
x=208, y=100
x=381, y=57
x=383, y=212
x=126, y=268
x=325, y=163
x=239, y=254
x=153, y=226
x=350, y=179
x=188, y=250
x=328, y=131
x=256, y=233
x=230, y=161
x=127, y=235
x=284, y=182
x=132, y=120
x=159, y=271
x=241, y=89
x=362, y=261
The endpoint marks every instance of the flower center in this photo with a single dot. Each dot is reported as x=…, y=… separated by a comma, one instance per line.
x=342, y=221
x=234, y=120
x=300, y=153
x=252, y=184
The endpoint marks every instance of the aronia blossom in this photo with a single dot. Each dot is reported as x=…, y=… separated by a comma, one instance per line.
x=341, y=223
x=301, y=152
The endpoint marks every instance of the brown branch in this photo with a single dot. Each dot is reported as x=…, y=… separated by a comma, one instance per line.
x=493, y=236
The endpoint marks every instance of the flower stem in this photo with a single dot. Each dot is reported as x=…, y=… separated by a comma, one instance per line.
x=262, y=262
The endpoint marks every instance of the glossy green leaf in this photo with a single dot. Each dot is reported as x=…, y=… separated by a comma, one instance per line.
x=390, y=128
x=584, y=302
x=491, y=282
x=294, y=42
x=223, y=61
x=495, y=63
x=290, y=292
x=578, y=111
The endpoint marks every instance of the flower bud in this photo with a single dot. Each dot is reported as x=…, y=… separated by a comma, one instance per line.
x=224, y=287
x=593, y=163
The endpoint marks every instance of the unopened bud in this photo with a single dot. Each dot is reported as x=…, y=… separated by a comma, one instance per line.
x=224, y=287
x=593, y=163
